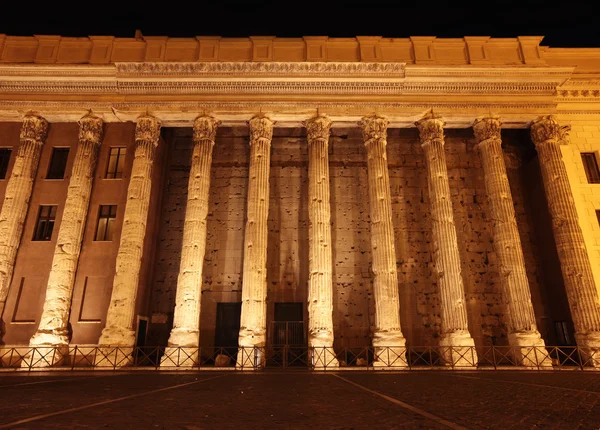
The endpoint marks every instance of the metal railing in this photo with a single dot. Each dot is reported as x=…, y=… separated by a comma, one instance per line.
x=284, y=356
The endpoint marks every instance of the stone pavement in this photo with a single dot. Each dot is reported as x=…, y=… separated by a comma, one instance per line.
x=298, y=400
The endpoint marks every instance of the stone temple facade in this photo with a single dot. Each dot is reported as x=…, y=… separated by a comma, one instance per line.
x=211, y=192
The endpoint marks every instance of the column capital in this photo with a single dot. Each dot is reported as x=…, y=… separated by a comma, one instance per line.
x=205, y=128
x=318, y=128
x=374, y=127
x=147, y=129
x=431, y=127
x=90, y=129
x=547, y=128
x=34, y=128
x=261, y=127
x=487, y=128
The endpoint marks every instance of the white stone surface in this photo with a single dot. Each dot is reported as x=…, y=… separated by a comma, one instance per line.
x=507, y=242
x=547, y=135
x=120, y=316
x=446, y=257
x=53, y=328
x=186, y=320
x=320, y=287
x=16, y=199
x=388, y=332
x=253, y=320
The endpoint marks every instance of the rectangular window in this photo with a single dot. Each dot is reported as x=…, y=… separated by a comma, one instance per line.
x=4, y=159
x=590, y=163
x=106, y=223
x=116, y=162
x=58, y=163
x=45, y=223
x=598, y=216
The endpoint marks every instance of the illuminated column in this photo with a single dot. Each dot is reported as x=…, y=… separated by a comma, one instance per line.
x=16, y=199
x=53, y=328
x=320, y=287
x=186, y=320
x=446, y=258
x=253, y=320
x=522, y=329
x=385, y=278
x=120, y=316
x=547, y=135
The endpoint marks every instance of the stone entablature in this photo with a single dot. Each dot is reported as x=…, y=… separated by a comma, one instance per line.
x=416, y=49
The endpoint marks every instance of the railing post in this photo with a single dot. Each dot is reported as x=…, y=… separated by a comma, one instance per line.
x=579, y=358
x=537, y=361
x=494, y=357
x=74, y=358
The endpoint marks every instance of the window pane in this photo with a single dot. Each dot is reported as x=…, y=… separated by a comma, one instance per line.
x=106, y=219
x=116, y=161
x=101, y=230
x=58, y=163
x=590, y=164
x=4, y=159
x=45, y=223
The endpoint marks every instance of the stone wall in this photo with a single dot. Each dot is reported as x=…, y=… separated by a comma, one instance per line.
x=287, y=265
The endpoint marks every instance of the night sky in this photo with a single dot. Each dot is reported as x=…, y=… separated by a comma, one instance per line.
x=570, y=24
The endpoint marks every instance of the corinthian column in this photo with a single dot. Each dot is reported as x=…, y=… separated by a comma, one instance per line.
x=16, y=199
x=186, y=321
x=522, y=330
x=53, y=328
x=320, y=287
x=446, y=258
x=119, y=329
x=253, y=321
x=547, y=135
x=388, y=339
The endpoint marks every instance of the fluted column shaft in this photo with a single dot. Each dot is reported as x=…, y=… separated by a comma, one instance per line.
x=253, y=320
x=120, y=316
x=385, y=277
x=16, y=199
x=186, y=321
x=446, y=257
x=53, y=328
x=575, y=264
x=320, y=284
x=522, y=328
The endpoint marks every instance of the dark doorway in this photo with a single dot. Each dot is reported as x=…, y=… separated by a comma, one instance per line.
x=143, y=355
x=288, y=339
x=227, y=328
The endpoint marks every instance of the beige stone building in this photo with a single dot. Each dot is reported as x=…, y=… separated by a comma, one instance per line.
x=313, y=192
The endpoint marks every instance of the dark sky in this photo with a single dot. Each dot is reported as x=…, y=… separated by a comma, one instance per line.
x=569, y=24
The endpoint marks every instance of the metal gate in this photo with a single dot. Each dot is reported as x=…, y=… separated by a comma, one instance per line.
x=287, y=344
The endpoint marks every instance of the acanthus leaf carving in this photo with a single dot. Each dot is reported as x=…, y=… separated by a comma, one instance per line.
x=431, y=127
x=205, y=128
x=487, y=128
x=261, y=127
x=34, y=128
x=374, y=127
x=318, y=128
x=547, y=128
x=147, y=129
x=90, y=129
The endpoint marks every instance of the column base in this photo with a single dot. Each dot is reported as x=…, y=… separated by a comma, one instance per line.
x=529, y=350
x=390, y=350
x=589, y=347
x=180, y=356
x=457, y=349
x=117, y=336
x=45, y=356
x=251, y=352
x=49, y=338
x=184, y=337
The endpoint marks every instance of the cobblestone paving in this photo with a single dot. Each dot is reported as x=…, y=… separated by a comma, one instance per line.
x=299, y=400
